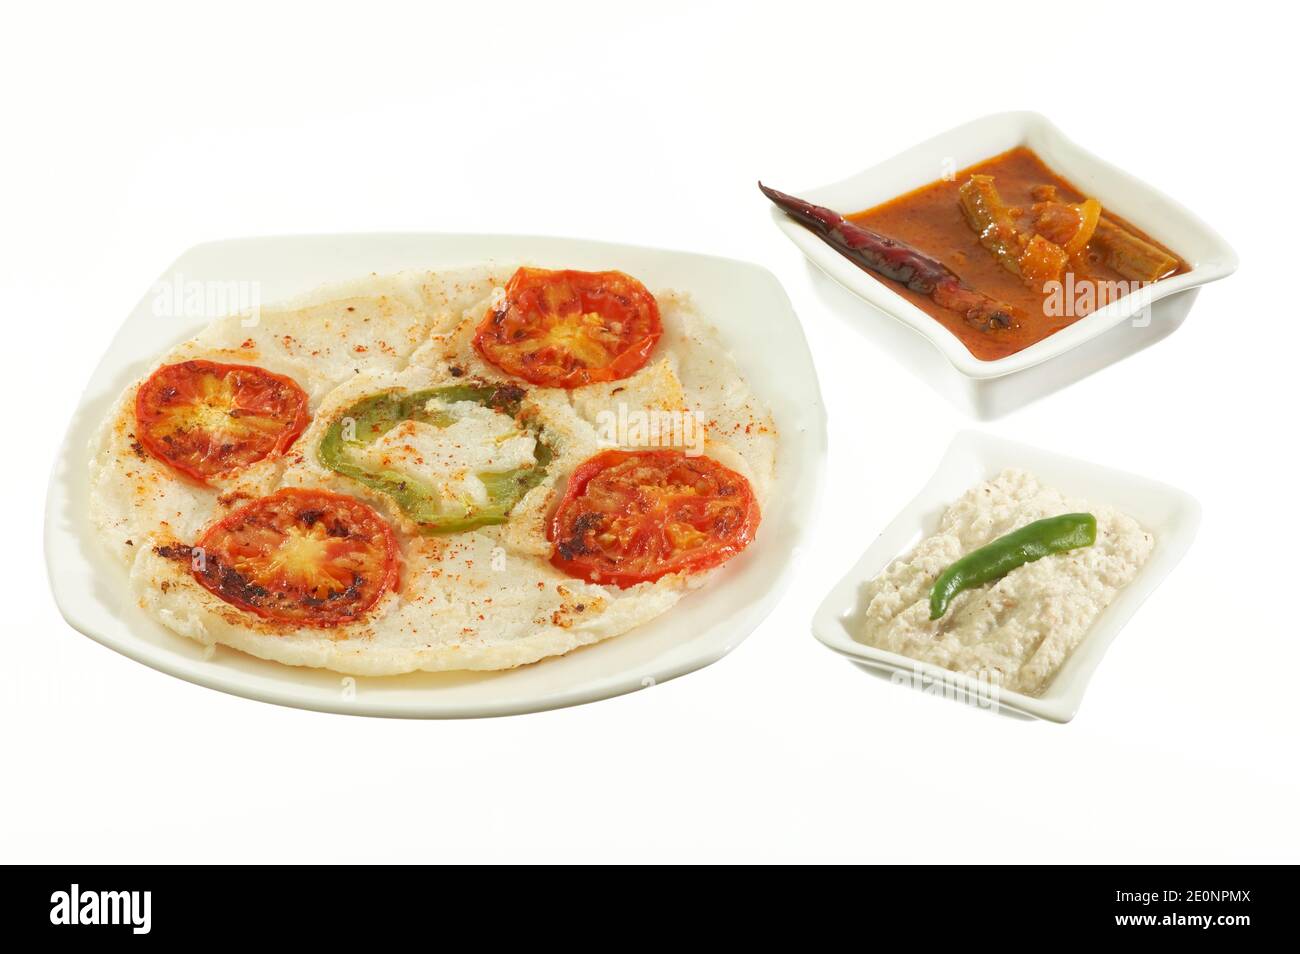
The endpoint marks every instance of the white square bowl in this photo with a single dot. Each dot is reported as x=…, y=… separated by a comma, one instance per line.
x=1171, y=515
x=90, y=587
x=989, y=389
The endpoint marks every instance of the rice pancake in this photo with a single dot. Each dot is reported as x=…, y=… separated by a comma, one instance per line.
x=408, y=431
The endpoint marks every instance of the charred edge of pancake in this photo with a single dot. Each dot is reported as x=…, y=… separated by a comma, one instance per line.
x=576, y=544
x=226, y=581
x=507, y=398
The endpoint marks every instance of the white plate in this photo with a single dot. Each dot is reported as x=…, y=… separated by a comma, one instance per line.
x=736, y=297
x=992, y=388
x=972, y=458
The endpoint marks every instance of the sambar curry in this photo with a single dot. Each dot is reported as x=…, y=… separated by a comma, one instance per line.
x=1003, y=254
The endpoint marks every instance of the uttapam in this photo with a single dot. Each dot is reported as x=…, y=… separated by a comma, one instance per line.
x=468, y=469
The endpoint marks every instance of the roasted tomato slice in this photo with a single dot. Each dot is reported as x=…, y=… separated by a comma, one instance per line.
x=307, y=557
x=566, y=329
x=632, y=516
x=206, y=419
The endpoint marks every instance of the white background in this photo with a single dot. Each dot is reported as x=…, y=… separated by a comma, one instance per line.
x=130, y=134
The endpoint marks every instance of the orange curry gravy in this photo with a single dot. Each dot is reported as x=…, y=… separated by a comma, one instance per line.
x=931, y=219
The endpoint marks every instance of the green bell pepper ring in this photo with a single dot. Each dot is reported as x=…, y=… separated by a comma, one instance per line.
x=995, y=560
x=373, y=416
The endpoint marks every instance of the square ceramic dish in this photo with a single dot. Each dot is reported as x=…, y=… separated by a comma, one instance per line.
x=990, y=389
x=91, y=588
x=1171, y=515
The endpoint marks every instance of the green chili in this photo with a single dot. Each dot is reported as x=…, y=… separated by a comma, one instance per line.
x=995, y=560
